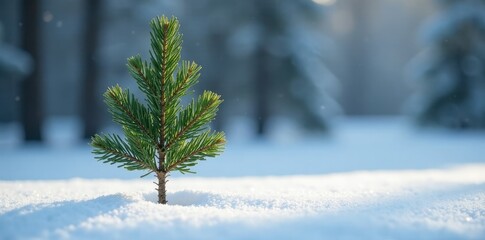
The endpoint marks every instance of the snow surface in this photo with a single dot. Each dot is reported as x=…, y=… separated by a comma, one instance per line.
x=419, y=204
x=370, y=179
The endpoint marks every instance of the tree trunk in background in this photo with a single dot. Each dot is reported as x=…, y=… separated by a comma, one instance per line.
x=357, y=54
x=90, y=100
x=261, y=85
x=216, y=78
x=31, y=90
x=262, y=74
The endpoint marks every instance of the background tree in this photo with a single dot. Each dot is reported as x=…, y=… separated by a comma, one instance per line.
x=15, y=64
x=90, y=102
x=31, y=97
x=161, y=136
x=452, y=68
x=278, y=44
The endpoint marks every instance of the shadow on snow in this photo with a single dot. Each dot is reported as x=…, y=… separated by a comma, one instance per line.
x=39, y=220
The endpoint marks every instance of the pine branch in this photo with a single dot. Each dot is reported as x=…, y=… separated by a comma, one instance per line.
x=166, y=46
x=128, y=112
x=111, y=149
x=142, y=73
x=141, y=148
x=194, y=116
x=186, y=154
x=165, y=54
x=186, y=78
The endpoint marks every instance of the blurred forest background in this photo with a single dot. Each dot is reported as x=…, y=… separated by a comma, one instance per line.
x=279, y=64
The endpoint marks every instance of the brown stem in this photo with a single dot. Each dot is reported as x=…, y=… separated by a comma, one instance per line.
x=162, y=94
x=162, y=194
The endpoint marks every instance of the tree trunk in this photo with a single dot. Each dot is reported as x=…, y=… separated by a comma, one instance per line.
x=32, y=111
x=355, y=99
x=261, y=85
x=218, y=59
x=90, y=100
x=262, y=72
x=162, y=194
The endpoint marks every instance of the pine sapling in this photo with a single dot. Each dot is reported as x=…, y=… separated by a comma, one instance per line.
x=161, y=135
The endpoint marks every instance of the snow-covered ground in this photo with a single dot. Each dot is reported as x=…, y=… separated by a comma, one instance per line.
x=420, y=204
x=370, y=179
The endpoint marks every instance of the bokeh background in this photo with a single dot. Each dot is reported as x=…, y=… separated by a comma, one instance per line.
x=289, y=70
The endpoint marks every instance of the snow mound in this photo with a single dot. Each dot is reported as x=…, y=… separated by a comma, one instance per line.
x=402, y=204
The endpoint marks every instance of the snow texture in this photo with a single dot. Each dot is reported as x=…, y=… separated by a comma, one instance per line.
x=369, y=180
x=419, y=204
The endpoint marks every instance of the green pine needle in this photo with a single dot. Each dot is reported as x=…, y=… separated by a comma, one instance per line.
x=160, y=135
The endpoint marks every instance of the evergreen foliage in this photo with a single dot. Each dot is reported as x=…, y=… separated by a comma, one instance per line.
x=452, y=69
x=161, y=128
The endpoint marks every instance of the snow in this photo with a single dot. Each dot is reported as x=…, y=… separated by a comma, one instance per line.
x=371, y=179
x=446, y=203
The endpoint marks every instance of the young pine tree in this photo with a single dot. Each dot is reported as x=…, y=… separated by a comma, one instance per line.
x=161, y=135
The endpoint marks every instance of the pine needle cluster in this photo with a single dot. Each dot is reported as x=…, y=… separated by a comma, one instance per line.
x=161, y=135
